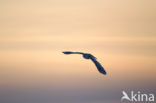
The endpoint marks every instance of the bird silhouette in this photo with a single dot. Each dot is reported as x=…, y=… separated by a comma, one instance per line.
x=89, y=56
x=125, y=96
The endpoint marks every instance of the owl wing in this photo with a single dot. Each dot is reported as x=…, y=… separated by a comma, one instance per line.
x=98, y=65
x=69, y=52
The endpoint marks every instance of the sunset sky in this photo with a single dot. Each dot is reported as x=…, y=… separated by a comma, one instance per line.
x=33, y=33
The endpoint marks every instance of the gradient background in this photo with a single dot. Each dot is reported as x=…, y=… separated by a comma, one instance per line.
x=33, y=33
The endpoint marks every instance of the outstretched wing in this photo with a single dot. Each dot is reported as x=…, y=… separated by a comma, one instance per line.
x=69, y=52
x=98, y=65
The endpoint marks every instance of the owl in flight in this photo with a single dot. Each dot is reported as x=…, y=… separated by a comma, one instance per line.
x=89, y=56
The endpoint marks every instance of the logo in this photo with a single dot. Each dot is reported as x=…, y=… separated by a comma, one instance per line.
x=137, y=96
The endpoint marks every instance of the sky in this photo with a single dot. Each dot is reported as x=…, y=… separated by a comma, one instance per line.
x=33, y=33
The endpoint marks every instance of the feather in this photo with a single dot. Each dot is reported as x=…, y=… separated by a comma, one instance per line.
x=67, y=52
x=99, y=66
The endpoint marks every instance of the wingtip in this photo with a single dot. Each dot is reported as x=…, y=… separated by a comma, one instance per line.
x=66, y=52
x=104, y=73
